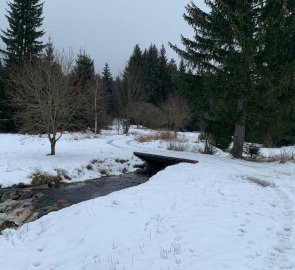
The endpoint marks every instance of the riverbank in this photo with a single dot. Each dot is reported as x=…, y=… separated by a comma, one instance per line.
x=22, y=205
x=217, y=214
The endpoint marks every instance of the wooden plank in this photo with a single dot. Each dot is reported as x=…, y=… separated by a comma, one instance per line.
x=168, y=160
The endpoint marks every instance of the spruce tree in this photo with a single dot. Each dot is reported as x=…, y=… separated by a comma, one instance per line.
x=22, y=38
x=276, y=102
x=84, y=69
x=107, y=79
x=108, y=89
x=225, y=48
x=151, y=73
x=135, y=61
x=165, y=76
x=136, y=57
x=3, y=109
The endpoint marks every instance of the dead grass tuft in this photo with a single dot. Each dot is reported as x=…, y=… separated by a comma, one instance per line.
x=177, y=146
x=63, y=174
x=104, y=171
x=21, y=185
x=161, y=136
x=286, y=155
x=45, y=179
x=95, y=161
x=89, y=167
x=122, y=161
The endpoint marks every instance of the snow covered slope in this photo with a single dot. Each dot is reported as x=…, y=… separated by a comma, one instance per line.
x=217, y=214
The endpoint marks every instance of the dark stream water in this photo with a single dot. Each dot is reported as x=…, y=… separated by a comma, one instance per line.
x=68, y=194
x=21, y=205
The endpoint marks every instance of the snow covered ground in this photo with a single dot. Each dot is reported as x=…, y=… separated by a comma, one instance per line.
x=80, y=156
x=217, y=214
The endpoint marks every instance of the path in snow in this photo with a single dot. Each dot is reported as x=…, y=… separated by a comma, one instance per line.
x=281, y=254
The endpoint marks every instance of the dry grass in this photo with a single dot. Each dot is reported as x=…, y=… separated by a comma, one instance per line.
x=159, y=136
x=96, y=161
x=285, y=155
x=89, y=167
x=63, y=174
x=177, y=146
x=121, y=161
x=39, y=179
x=175, y=143
x=84, y=136
x=104, y=171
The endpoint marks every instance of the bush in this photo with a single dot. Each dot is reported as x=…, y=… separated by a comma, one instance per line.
x=153, y=119
x=252, y=150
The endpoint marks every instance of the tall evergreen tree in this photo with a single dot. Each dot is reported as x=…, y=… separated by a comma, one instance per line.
x=83, y=77
x=225, y=47
x=108, y=89
x=84, y=69
x=244, y=52
x=165, y=76
x=2, y=98
x=136, y=57
x=276, y=103
x=135, y=61
x=151, y=73
x=22, y=38
x=107, y=79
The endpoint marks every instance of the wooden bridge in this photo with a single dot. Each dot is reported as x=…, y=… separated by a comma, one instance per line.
x=157, y=162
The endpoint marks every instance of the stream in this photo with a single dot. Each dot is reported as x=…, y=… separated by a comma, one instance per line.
x=21, y=205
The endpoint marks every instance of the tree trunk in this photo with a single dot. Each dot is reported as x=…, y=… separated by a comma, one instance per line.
x=95, y=107
x=53, y=141
x=239, y=136
x=175, y=133
x=239, y=139
x=52, y=144
x=126, y=125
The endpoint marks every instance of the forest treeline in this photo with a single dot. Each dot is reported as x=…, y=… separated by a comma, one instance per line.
x=234, y=81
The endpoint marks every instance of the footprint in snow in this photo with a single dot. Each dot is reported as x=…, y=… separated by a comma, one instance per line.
x=242, y=232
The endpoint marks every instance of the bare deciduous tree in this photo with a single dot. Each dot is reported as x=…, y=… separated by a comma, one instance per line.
x=128, y=94
x=44, y=98
x=148, y=115
x=177, y=112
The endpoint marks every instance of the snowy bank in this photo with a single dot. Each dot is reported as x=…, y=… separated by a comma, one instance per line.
x=212, y=215
x=79, y=156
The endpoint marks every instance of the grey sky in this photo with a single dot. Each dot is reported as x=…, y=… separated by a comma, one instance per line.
x=108, y=30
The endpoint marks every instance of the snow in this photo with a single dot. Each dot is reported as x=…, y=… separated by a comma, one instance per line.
x=23, y=155
x=218, y=214
x=273, y=152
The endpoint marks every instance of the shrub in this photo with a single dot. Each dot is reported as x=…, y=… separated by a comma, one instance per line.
x=252, y=150
x=153, y=119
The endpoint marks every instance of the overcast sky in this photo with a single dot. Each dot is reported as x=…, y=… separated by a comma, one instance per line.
x=108, y=30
